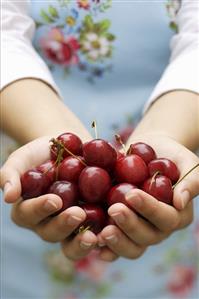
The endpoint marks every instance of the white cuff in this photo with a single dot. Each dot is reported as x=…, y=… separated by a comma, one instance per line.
x=181, y=74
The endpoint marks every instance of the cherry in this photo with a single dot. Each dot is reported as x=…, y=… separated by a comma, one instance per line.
x=160, y=187
x=68, y=193
x=120, y=155
x=48, y=169
x=99, y=153
x=118, y=193
x=165, y=167
x=70, y=141
x=95, y=218
x=33, y=183
x=145, y=151
x=131, y=169
x=70, y=169
x=94, y=184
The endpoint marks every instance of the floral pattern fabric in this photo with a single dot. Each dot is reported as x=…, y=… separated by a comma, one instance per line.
x=71, y=36
x=78, y=35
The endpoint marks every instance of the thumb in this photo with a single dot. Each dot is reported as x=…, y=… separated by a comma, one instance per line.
x=10, y=183
x=187, y=187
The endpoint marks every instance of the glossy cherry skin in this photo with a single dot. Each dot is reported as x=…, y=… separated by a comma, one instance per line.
x=71, y=142
x=67, y=191
x=143, y=150
x=165, y=167
x=33, y=184
x=99, y=153
x=94, y=184
x=131, y=169
x=95, y=218
x=120, y=155
x=70, y=169
x=159, y=187
x=117, y=193
x=48, y=169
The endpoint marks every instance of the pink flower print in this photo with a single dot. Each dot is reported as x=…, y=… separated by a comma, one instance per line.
x=83, y=4
x=91, y=266
x=182, y=281
x=60, y=49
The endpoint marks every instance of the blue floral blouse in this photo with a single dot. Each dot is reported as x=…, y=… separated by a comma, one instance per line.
x=106, y=57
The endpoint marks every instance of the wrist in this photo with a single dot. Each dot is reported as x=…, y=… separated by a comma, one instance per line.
x=163, y=118
x=31, y=109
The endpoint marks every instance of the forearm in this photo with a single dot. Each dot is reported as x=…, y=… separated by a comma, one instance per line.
x=175, y=114
x=31, y=109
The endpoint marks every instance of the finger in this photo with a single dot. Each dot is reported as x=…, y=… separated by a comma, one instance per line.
x=107, y=255
x=61, y=226
x=120, y=244
x=80, y=246
x=163, y=216
x=10, y=183
x=18, y=162
x=28, y=213
x=186, y=216
x=188, y=188
x=136, y=228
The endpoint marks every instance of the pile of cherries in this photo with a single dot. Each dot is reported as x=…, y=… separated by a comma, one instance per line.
x=94, y=176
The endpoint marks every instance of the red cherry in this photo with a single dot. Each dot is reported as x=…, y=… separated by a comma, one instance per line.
x=165, y=167
x=48, y=169
x=99, y=153
x=120, y=155
x=70, y=141
x=33, y=184
x=95, y=218
x=94, y=184
x=70, y=169
x=143, y=150
x=131, y=169
x=110, y=221
x=68, y=193
x=118, y=193
x=159, y=187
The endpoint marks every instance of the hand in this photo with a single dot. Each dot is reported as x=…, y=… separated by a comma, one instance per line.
x=35, y=213
x=133, y=234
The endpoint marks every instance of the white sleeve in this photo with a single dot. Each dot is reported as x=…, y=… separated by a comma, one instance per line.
x=18, y=57
x=182, y=73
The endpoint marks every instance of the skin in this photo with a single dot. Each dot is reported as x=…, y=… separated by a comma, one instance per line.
x=134, y=233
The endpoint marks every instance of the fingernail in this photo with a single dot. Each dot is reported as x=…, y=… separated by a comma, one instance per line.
x=134, y=199
x=129, y=196
x=112, y=239
x=7, y=187
x=50, y=206
x=185, y=197
x=73, y=220
x=101, y=244
x=85, y=245
x=118, y=217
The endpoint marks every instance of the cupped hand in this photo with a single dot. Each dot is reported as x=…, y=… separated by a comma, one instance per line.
x=147, y=221
x=35, y=213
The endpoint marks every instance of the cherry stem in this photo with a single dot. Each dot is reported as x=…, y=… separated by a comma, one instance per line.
x=80, y=160
x=61, y=148
x=83, y=229
x=180, y=180
x=119, y=140
x=94, y=125
x=153, y=178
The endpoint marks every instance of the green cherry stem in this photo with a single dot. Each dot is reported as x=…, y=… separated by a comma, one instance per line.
x=94, y=125
x=119, y=140
x=180, y=180
x=153, y=178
